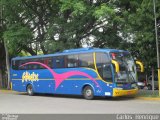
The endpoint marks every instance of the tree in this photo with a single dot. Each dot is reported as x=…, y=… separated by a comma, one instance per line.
x=80, y=22
x=48, y=26
x=51, y=25
x=141, y=25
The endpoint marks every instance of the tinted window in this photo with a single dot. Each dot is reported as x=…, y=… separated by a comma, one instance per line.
x=86, y=60
x=72, y=61
x=21, y=62
x=103, y=66
x=58, y=62
x=48, y=61
x=68, y=61
x=17, y=64
x=102, y=58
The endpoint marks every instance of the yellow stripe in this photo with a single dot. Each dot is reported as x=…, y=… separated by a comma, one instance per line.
x=116, y=65
x=141, y=65
x=11, y=85
x=96, y=70
x=148, y=98
x=66, y=79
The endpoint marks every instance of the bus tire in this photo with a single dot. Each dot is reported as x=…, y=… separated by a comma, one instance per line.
x=88, y=93
x=30, y=90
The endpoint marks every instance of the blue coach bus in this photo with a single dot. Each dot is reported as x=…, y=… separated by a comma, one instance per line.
x=85, y=71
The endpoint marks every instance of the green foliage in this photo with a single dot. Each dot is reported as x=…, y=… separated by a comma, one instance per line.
x=47, y=26
x=77, y=6
x=141, y=23
x=18, y=36
x=104, y=11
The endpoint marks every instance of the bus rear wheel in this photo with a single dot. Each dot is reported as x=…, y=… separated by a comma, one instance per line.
x=30, y=90
x=88, y=93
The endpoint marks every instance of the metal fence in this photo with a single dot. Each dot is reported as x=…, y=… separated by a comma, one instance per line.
x=145, y=92
x=148, y=83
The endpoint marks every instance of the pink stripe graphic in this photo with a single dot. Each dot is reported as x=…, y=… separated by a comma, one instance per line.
x=59, y=78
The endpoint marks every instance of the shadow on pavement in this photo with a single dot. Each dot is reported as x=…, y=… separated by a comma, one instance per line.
x=81, y=97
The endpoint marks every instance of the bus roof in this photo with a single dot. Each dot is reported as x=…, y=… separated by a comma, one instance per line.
x=72, y=51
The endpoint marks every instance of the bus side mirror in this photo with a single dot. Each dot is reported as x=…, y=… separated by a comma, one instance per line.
x=141, y=65
x=116, y=65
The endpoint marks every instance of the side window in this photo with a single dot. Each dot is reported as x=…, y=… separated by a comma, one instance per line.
x=103, y=66
x=33, y=66
x=48, y=62
x=107, y=73
x=102, y=58
x=15, y=64
x=27, y=67
x=86, y=60
x=72, y=61
x=41, y=60
x=58, y=62
x=21, y=62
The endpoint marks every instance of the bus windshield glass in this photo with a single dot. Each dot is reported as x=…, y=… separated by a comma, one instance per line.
x=127, y=66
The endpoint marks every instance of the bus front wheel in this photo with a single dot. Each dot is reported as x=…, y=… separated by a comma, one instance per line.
x=88, y=93
x=30, y=90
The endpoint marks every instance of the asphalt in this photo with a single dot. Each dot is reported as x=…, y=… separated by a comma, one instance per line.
x=141, y=97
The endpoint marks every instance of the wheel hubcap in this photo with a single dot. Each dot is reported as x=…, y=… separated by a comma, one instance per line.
x=29, y=90
x=88, y=92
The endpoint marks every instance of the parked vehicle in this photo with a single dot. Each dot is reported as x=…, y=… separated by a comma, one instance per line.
x=141, y=80
x=149, y=82
x=141, y=85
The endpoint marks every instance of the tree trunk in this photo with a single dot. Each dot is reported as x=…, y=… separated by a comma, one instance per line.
x=0, y=78
x=7, y=65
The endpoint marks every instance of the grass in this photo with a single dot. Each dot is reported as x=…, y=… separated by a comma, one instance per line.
x=154, y=96
x=3, y=89
x=149, y=95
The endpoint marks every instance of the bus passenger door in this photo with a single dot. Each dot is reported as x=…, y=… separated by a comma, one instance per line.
x=104, y=67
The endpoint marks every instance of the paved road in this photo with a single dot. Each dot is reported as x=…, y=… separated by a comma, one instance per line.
x=22, y=103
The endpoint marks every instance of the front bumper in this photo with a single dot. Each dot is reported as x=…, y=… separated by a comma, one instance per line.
x=120, y=92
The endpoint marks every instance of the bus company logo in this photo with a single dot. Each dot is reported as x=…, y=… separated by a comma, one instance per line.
x=30, y=77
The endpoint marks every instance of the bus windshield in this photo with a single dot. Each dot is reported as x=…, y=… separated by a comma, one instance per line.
x=127, y=66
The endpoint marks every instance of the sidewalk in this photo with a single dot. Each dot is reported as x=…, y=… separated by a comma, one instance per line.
x=7, y=91
x=148, y=98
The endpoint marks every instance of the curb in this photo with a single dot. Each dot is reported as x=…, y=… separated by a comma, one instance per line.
x=6, y=91
x=149, y=98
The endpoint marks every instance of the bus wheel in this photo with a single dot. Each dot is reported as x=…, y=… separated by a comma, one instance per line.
x=88, y=93
x=30, y=90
